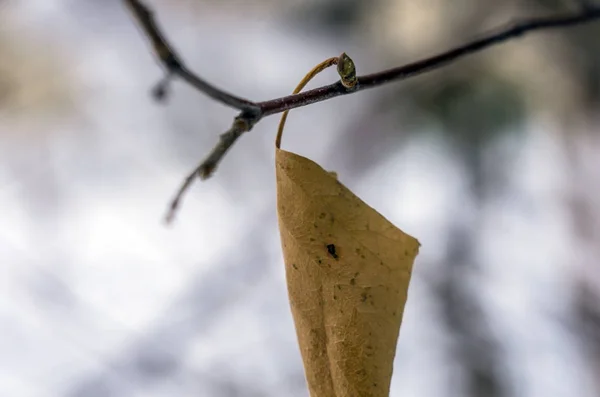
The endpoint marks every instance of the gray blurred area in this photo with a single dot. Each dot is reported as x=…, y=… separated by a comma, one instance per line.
x=493, y=163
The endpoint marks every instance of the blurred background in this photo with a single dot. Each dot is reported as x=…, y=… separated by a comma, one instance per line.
x=493, y=163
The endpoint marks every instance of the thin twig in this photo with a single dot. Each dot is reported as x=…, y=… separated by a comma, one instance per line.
x=242, y=123
x=175, y=66
x=516, y=29
x=253, y=112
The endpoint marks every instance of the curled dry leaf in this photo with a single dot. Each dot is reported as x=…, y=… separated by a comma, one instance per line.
x=348, y=270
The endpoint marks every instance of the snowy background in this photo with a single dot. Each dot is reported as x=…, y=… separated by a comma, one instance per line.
x=492, y=163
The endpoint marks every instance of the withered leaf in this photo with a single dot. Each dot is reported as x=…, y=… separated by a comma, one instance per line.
x=348, y=271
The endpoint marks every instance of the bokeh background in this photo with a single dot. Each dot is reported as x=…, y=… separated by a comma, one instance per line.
x=493, y=163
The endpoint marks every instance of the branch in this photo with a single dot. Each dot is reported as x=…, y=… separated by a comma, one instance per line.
x=241, y=124
x=252, y=112
x=174, y=65
x=501, y=35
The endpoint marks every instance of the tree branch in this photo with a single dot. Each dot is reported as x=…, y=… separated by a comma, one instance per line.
x=241, y=124
x=253, y=112
x=501, y=35
x=175, y=66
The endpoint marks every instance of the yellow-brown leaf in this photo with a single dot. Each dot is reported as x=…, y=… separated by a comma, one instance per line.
x=347, y=271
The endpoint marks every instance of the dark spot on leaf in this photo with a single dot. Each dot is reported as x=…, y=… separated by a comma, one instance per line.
x=363, y=297
x=331, y=250
x=312, y=239
x=294, y=266
x=315, y=225
x=322, y=215
x=334, y=297
x=352, y=281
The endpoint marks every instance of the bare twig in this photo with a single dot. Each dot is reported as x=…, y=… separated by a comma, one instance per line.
x=253, y=112
x=515, y=29
x=242, y=123
x=174, y=65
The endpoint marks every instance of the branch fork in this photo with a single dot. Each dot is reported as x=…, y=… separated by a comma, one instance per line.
x=252, y=112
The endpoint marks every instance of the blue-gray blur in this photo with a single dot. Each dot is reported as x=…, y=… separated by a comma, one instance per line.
x=493, y=163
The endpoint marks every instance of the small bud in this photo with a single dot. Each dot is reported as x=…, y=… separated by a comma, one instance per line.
x=347, y=71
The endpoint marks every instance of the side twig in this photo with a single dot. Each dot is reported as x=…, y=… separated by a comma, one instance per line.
x=242, y=123
x=252, y=112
